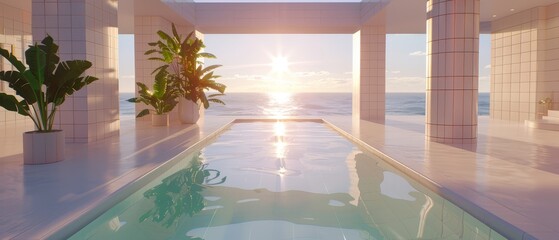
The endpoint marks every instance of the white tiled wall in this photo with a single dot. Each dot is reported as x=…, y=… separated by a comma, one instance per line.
x=145, y=31
x=15, y=30
x=514, y=46
x=550, y=81
x=452, y=70
x=85, y=30
x=525, y=66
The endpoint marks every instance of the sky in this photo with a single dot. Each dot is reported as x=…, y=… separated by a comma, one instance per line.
x=275, y=1
x=308, y=62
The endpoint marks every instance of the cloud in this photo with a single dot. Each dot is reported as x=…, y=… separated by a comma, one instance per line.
x=302, y=81
x=310, y=74
x=484, y=84
x=265, y=83
x=249, y=66
x=405, y=84
x=340, y=81
x=249, y=77
x=406, y=79
x=396, y=72
x=418, y=53
x=488, y=66
x=329, y=84
x=260, y=77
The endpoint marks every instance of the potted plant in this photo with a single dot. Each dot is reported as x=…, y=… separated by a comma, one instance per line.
x=182, y=57
x=162, y=99
x=43, y=86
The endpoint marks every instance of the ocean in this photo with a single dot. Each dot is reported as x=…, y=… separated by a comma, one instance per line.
x=307, y=104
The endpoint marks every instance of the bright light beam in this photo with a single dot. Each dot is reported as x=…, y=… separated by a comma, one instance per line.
x=280, y=64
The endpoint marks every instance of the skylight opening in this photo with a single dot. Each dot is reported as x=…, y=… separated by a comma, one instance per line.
x=275, y=1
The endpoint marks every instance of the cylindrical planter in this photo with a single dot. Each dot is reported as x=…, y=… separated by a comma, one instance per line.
x=189, y=111
x=43, y=147
x=160, y=120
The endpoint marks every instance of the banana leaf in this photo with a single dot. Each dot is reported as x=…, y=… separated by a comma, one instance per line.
x=44, y=83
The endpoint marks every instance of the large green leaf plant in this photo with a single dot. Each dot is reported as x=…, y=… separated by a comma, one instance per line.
x=182, y=58
x=163, y=98
x=42, y=85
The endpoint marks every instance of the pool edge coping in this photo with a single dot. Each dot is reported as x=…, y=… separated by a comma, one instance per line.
x=70, y=226
x=494, y=222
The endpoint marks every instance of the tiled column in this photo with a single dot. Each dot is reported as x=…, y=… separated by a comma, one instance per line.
x=369, y=81
x=85, y=30
x=145, y=31
x=452, y=70
x=15, y=33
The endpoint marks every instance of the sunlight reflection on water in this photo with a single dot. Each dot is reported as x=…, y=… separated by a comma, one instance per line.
x=281, y=146
x=280, y=105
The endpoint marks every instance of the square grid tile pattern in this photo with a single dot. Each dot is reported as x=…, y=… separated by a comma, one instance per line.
x=15, y=33
x=452, y=70
x=508, y=179
x=515, y=185
x=371, y=85
x=525, y=63
x=85, y=30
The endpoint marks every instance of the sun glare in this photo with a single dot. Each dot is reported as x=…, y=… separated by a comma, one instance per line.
x=280, y=98
x=280, y=105
x=279, y=129
x=280, y=64
x=281, y=146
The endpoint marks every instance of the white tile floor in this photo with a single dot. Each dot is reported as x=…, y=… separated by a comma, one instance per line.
x=36, y=199
x=512, y=172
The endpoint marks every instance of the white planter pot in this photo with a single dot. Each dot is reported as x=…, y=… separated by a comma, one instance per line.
x=43, y=147
x=189, y=111
x=159, y=120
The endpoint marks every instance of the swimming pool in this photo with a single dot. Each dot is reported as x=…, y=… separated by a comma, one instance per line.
x=283, y=180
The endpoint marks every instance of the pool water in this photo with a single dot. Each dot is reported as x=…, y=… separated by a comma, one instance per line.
x=284, y=180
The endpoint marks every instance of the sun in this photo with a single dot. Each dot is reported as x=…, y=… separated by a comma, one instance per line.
x=280, y=64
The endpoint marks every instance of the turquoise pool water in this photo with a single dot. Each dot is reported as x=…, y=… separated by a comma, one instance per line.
x=284, y=180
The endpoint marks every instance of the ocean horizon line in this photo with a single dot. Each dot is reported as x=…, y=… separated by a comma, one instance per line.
x=306, y=92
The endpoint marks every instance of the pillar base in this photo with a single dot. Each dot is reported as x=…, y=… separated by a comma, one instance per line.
x=452, y=140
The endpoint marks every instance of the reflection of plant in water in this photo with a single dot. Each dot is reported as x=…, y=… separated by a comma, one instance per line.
x=180, y=193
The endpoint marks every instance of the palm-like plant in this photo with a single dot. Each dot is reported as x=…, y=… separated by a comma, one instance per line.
x=43, y=84
x=200, y=78
x=162, y=98
x=182, y=58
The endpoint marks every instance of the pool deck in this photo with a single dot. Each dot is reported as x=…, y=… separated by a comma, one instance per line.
x=511, y=174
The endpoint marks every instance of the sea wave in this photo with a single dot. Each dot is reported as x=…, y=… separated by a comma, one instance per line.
x=308, y=104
